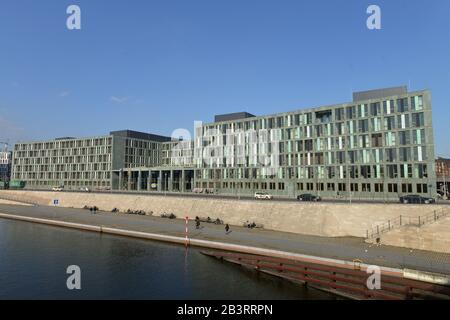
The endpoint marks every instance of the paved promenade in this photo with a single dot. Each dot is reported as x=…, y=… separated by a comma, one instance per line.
x=336, y=248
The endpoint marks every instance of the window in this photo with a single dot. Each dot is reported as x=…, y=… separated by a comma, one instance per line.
x=352, y=156
x=351, y=112
x=354, y=173
x=417, y=103
x=417, y=119
x=420, y=153
x=404, y=154
x=388, y=107
x=363, y=125
x=365, y=172
x=420, y=171
x=406, y=170
x=404, y=137
x=391, y=155
x=331, y=172
x=379, y=187
x=308, y=145
x=364, y=141
x=390, y=139
x=377, y=140
x=389, y=123
x=340, y=128
x=403, y=121
x=351, y=125
x=376, y=124
x=375, y=109
x=362, y=111
x=340, y=156
x=422, y=188
x=419, y=136
x=377, y=155
x=402, y=105
x=339, y=114
x=406, y=187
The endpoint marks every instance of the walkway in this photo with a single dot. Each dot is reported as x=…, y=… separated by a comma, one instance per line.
x=337, y=248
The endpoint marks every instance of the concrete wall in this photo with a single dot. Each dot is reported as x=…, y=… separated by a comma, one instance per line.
x=320, y=219
x=434, y=237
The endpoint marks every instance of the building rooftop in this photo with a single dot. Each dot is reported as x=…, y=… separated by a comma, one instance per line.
x=232, y=116
x=379, y=93
x=140, y=135
x=65, y=138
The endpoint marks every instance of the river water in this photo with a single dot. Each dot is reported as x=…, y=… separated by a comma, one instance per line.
x=34, y=259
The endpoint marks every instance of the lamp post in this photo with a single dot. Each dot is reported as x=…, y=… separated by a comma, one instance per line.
x=444, y=189
x=349, y=184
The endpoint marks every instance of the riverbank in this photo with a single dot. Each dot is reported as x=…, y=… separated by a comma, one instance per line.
x=341, y=250
x=316, y=219
x=34, y=259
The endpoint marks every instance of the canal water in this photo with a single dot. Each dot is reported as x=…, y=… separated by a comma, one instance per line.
x=34, y=259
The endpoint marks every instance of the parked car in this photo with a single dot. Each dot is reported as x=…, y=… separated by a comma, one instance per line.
x=414, y=198
x=308, y=197
x=59, y=188
x=263, y=196
x=85, y=189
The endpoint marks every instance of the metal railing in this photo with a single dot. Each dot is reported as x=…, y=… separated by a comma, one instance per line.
x=402, y=221
x=343, y=281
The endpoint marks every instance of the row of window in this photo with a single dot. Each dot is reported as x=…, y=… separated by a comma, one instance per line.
x=97, y=175
x=395, y=171
x=63, y=152
x=69, y=183
x=64, y=144
x=387, y=107
x=329, y=130
x=336, y=188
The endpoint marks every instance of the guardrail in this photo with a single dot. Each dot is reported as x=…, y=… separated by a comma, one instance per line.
x=402, y=221
x=349, y=283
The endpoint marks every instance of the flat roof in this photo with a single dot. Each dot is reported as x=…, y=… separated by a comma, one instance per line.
x=232, y=116
x=379, y=93
x=140, y=135
x=330, y=106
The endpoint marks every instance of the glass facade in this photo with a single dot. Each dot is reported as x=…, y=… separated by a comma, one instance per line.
x=375, y=148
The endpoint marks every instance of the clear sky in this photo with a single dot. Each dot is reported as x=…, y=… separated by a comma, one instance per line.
x=157, y=66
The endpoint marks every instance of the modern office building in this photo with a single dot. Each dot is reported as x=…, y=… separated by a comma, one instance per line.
x=5, y=165
x=85, y=162
x=380, y=145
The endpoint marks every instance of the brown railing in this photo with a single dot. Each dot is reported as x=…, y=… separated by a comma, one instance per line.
x=342, y=281
x=402, y=220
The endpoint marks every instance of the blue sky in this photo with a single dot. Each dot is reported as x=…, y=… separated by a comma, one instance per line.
x=159, y=65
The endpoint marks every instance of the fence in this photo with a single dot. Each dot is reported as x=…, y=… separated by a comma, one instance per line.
x=401, y=221
x=345, y=282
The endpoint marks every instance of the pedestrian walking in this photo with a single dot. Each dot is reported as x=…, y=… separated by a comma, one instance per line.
x=197, y=224
x=378, y=240
x=227, y=228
